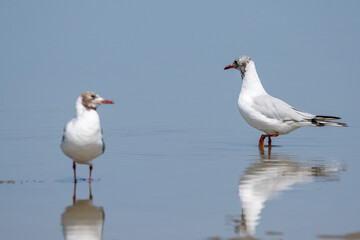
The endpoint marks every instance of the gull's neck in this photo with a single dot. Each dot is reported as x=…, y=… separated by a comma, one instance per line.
x=251, y=83
x=84, y=113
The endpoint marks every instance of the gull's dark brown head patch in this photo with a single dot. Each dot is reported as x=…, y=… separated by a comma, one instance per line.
x=91, y=100
x=240, y=64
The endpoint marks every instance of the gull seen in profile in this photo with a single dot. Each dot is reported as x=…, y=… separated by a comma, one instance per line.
x=268, y=114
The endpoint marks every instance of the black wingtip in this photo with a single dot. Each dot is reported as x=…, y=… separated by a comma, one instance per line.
x=343, y=124
x=322, y=117
x=321, y=121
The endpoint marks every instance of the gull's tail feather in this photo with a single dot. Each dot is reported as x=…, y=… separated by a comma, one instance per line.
x=321, y=121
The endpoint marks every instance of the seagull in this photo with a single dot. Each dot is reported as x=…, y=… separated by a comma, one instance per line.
x=82, y=140
x=268, y=114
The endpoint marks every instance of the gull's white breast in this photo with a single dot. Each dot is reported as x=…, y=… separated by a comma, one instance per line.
x=83, y=138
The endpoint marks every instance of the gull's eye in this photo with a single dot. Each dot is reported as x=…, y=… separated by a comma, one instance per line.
x=92, y=96
x=235, y=63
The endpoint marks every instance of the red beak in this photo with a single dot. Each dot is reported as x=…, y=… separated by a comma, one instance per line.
x=107, y=102
x=228, y=67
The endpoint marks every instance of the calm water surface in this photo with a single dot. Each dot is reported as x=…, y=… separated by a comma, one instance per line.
x=179, y=182
x=180, y=163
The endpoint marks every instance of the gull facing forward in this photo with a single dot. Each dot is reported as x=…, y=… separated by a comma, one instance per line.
x=268, y=114
x=82, y=140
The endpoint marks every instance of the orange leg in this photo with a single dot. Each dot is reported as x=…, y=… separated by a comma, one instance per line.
x=269, y=137
x=262, y=138
x=74, y=167
x=90, y=173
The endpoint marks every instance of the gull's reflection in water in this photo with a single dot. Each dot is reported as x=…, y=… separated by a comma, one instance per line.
x=265, y=178
x=83, y=220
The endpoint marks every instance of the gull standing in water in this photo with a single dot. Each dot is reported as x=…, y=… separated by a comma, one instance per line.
x=82, y=140
x=268, y=114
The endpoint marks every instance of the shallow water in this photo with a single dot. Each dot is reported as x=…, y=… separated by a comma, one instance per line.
x=180, y=163
x=182, y=183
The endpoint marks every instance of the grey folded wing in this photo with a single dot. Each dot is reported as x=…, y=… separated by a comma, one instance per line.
x=275, y=108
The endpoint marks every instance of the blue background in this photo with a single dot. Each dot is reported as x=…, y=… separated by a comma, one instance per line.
x=176, y=144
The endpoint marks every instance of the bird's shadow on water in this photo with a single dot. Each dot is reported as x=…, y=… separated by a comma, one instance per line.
x=79, y=180
x=82, y=219
x=268, y=175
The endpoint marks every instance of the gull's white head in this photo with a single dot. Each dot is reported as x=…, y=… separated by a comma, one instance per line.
x=240, y=64
x=91, y=100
